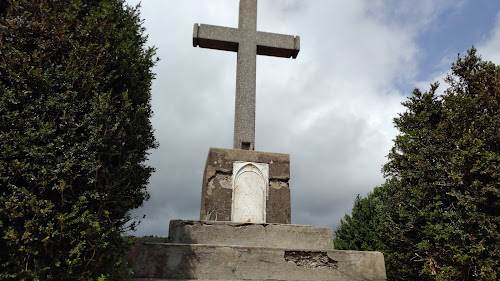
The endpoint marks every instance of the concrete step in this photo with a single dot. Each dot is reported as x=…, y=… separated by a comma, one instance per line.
x=166, y=261
x=251, y=234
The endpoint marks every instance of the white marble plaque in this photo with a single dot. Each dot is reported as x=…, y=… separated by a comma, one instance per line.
x=250, y=189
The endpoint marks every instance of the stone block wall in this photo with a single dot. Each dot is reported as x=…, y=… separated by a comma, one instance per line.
x=216, y=198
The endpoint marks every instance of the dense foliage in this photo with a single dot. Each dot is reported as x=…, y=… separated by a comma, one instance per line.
x=75, y=79
x=356, y=232
x=437, y=216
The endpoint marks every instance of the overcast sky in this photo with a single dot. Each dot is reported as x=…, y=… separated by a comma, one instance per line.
x=331, y=109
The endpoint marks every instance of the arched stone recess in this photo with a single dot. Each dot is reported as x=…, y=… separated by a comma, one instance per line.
x=250, y=192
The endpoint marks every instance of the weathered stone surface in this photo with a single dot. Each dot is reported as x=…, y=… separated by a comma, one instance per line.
x=251, y=234
x=250, y=192
x=248, y=42
x=216, y=197
x=278, y=209
x=212, y=262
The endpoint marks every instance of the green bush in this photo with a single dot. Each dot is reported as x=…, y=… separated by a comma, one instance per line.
x=75, y=79
x=437, y=216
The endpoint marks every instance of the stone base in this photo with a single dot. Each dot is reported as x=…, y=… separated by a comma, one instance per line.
x=217, y=189
x=215, y=262
x=204, y=250
x=251, y=234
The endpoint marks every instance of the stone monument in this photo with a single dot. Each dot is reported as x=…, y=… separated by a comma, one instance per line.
x=244, y=231
x=246, y=186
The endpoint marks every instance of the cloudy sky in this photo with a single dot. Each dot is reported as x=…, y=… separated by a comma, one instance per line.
x=331, y=109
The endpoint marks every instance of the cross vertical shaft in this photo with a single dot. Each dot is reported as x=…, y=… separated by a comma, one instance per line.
x=244, y=119
x=248, y=15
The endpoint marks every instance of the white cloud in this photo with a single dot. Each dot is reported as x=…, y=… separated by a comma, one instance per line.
x=331, y=108
x=490, y=49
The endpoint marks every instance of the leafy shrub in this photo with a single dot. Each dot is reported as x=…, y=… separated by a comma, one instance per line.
x=75, y=79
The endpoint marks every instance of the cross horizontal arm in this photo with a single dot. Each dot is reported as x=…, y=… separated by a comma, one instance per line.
x=228, y=39
x=277, y=45
x=215, y=37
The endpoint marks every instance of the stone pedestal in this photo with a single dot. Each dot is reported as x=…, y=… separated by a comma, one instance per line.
x=202, y=250
x=218, y=179
x=241, y=184
x=251, y=234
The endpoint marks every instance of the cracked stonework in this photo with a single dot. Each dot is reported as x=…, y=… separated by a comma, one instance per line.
x=208, y=216
x=310, y=259
x=278, y=184
x=220, y=180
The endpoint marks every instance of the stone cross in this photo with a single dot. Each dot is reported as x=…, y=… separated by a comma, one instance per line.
x=248, y=42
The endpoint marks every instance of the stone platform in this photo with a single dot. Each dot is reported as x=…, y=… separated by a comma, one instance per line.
x=251, y=234
x=202, y=250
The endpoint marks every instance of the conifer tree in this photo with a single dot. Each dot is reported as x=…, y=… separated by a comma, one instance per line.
x=443, y=204
x=439, y=210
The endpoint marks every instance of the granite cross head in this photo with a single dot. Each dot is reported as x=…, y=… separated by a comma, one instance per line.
x=248, y=43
